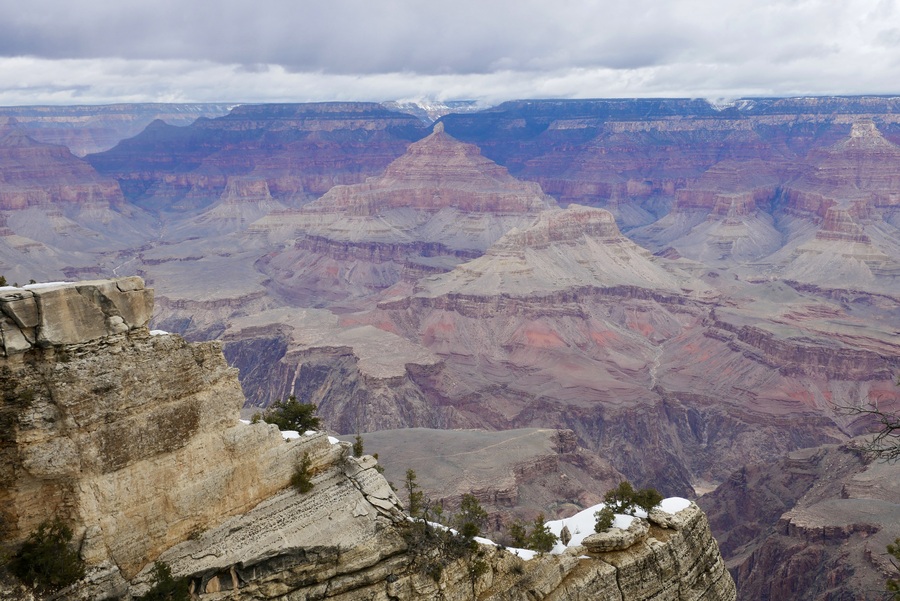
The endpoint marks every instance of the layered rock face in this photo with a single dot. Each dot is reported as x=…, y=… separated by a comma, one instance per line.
x=813, y=525
x=45, y=175
x=87, y=129
x=133, y=438
x=301, y=151
x=569, y=324
x=437, y=204
x=851, y=193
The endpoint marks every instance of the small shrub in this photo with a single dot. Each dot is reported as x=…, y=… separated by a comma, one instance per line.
x=358, y=446
x=415, y=497
x=541, y=539
x=893, y=586
x=471, y=517
x=3, y=280
x=538, y=538
x=624, y=499
x=604, y=519
x=518, y=533
x=46, y=562
x=165, y=587
x=302, y=478
x=290, y=415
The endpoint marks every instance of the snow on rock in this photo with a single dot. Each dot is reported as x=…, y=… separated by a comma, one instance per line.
x=246, y=422
x=44, y=285
x=333, y=440
x=674, y=504
x=158, y=333
x=290, y=434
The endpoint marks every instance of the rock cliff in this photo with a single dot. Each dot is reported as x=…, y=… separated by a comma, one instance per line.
x=812, y=525
x=301, y=151
x=133, y=437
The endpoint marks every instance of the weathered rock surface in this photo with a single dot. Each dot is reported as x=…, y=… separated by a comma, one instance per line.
x=813, y=525
x=46, y=315
x=565, y=248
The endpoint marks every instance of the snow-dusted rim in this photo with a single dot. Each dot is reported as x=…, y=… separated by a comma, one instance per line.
x=582, y=523
x=44, y=285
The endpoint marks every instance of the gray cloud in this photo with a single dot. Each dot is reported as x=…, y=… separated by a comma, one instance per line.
x=283, y=49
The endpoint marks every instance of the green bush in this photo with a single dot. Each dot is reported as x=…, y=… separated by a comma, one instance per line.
x=415, y=497
x=471, y=517
x=893, y=586
x=290, y=415
x=625, y=500
x=302, y=478
x=46, y=562
x=541, y=539
x=165, y=587
x=604, y=519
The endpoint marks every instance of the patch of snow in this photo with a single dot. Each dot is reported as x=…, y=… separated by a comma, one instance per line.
x=44, y=285
x=485, y=541
x=525, y=554
x=310, y=432
x=158, y=333
x=333, y=440
x=246, y=422
x=290, y=434
x=674, y=504
x=581, y=525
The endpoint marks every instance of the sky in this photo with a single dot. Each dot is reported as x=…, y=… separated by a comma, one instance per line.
x=104, y=51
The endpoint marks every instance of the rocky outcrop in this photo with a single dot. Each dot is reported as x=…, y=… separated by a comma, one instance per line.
x=133, y=438
x=563, y=249
x=812, y=525
x=48, y=315
x=37, y=174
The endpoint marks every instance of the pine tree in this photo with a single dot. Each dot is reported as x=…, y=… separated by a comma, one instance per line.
x=541, y=539
x=471, y=517
x=415, y=497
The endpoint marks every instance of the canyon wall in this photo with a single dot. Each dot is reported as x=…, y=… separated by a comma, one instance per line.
x=132, y=436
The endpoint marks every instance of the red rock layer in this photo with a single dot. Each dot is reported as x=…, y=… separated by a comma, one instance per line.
x=434, y=173
x=36, y=174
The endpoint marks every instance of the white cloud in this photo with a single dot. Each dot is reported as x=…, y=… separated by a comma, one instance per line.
x=281, y=50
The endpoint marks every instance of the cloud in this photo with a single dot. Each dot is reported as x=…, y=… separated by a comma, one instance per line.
x=266, y=50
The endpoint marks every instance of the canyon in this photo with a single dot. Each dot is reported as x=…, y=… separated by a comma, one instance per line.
x=133, y=437
x=690, y=289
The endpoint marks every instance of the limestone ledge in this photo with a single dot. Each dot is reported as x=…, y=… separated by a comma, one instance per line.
x=43, y=315
x=343, y=541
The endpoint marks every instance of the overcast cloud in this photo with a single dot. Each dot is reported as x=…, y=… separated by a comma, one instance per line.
x=54, y=51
